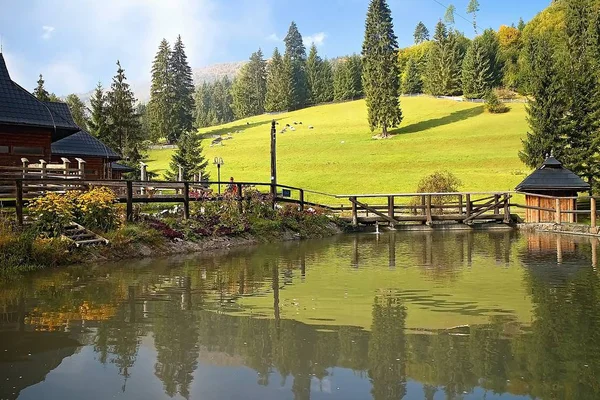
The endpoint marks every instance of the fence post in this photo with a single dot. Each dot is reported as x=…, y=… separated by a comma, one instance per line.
x=557, y=216
x=186, y=200
x=428, y=210
x=469, y=205
x=240, y=198
x=301, y=199
x=506, y=208
x=391, y=206
x=129, y=201
x=460, y=204
x=66, y=164
x=25, y=167
x=593, y=212
x=496, y=207
x=19, y=201
x=80, y=168
x=354, y=211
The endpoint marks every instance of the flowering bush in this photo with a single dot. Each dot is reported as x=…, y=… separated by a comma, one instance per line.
x=54, y=212
x=96, y=209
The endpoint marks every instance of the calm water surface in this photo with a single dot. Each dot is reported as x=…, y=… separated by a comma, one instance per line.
x=494, y=315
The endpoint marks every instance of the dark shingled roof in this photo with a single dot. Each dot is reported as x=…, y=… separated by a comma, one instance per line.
x=83, y=144
x=19, y=107
x=120, y=167
x=553, y=176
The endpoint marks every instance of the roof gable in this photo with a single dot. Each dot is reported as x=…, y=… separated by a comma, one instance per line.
x=21, y=108
x=551, y=175
x=83, y=144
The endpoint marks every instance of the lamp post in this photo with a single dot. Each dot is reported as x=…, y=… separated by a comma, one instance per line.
x=218, y=161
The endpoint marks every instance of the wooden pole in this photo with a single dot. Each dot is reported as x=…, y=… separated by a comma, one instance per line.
x=301, y=200
x=240, y=198
x=468, y=209
x=186, y=200
x=593, y=212
x=428, y=210
x=557, y=216
x=506, y=208
x=273, y=161
x=19, y=202
x=496, y=207
x=354, y=211
x=129, y=201
x=460, y=204
x=391, y=206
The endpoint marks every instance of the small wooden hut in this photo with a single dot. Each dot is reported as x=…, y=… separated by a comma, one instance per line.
x=550, y=181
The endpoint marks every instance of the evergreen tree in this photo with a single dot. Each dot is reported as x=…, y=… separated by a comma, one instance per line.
x=449, y=16
x=183, y=92
x=98, y=123
x=296, y=58
x=278, y=84
x=491, y=46
x=380, y=70
x=203, y=104
x=313, y=73
x=222, y=94
x=78, y=110
x=443, y=75
x=161, y=105
x=421, y=33
x=250, y=88
x=473, y=8
x=142, y=112
x=343, y=85
x=521, y=25
x=546, y=110
x=411, y=81
x=477, y=77
x=189, y=155
x=124, y=132
x=40, y=91
x=325, y=88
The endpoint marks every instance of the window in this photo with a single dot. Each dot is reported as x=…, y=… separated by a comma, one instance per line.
x=3, y=149
x=28, y=151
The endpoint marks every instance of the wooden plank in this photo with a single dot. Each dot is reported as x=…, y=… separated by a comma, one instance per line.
x=480, y=212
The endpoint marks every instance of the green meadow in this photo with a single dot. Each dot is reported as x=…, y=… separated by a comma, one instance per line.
x=339, y=155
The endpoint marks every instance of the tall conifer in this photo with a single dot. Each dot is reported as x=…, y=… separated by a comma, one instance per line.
x=277, y=84
x=296, y=64
x=98, y=122
x=162, y=96
x=40, y=91
x=477, y=77
x=183, y=91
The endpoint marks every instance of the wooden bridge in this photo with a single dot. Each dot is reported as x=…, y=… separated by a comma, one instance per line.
x=358, y=209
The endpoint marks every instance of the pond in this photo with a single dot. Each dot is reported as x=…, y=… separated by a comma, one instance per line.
x=470, y=315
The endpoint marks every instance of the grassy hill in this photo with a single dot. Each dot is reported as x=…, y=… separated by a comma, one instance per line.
x=339, y=155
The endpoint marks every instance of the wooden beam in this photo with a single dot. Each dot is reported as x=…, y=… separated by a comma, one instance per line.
x=301, y=200
x=186, y=200
x=366, y=207
x=506, y=209
x=460, y=204
x=428, y=209
x=129, y=201
x=557, y=216
x=391, y=206
x=19, y=201
x=482, y=211
x=593, y=212
x=469, y=205
x=354, y=211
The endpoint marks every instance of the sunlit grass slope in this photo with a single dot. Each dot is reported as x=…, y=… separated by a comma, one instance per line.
x=339, y=156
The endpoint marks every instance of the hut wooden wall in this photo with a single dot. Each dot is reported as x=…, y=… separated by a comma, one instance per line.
x=95, y=167
x=549, y=216
x=13, y=136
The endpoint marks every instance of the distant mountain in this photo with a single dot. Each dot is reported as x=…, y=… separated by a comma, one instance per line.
x=208, y=74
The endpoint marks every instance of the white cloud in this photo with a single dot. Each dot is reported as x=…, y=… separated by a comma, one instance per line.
x=318, y=39
x=48, y=32
x=66, y=71
x=274, y=38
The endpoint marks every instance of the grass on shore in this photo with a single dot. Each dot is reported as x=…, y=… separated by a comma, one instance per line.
x=339, y=155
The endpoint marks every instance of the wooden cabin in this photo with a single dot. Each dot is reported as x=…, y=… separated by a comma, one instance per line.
x=545, y=184
x=97, y=156
x=28, y=126
x=119, y=169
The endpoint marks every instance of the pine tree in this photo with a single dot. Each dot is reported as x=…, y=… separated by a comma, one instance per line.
x=325, y=89
x=343, y=86
x=449, y=16
x=250, y=87
x=477, y=77
x=277, y=84
x=141, y=111
x=98, y=123
x=411, y=81
x=296, y=58
x=473, y=8
x=161, y=105
x=189, y=155
x=124, y=132
x=356, y=72
x=40, y=91
x=380, y=70
x=491, y=46
x=313, y=73
x=203, y=104
x=183, y=92
x=421, y=33
x=546, y=110
x=78, y=110
x=521, y=25
x=443, y=76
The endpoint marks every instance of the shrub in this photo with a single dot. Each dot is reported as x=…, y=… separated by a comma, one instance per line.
x=53, y=212
x=493, y=103
x=438, y=182
x=97, y=210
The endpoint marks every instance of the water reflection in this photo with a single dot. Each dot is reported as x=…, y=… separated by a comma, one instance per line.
x=455, y=315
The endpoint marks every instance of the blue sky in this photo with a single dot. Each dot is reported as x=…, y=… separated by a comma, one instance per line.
x=75, y=43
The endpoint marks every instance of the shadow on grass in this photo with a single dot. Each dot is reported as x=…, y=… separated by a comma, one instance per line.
x=232, y=129
x=434, y=123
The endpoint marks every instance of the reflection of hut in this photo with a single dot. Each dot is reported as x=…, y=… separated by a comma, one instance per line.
x=547, y=182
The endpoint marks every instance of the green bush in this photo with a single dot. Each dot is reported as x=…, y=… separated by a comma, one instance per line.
x=493, y=103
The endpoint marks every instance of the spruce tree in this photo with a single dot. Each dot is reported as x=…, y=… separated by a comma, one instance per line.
x=203, y=104
x=183, y=92
x=278, y=84
x=295, y=59
x=547, y=108
x=124, y=131
x=477, y=76
x=78, y=110
x=491, y=46
x=162, y=101
x=325, y=88
x=521, y=25
x=443, y=76
x=250, y=87
x=356, y=72
x=449, y=16
x=98, y=122
x=313, y=74
x=343, y=84
x=421, y=33
x=189, y=155
x=40, y=91
x=473, y=8
x=411, y=81
x=380, y=75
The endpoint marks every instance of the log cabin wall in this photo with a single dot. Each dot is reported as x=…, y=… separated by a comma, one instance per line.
x=549, y=216
x=18, y=142
x=95, y=167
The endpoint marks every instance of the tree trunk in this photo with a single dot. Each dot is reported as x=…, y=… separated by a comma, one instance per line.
x=384, y=133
